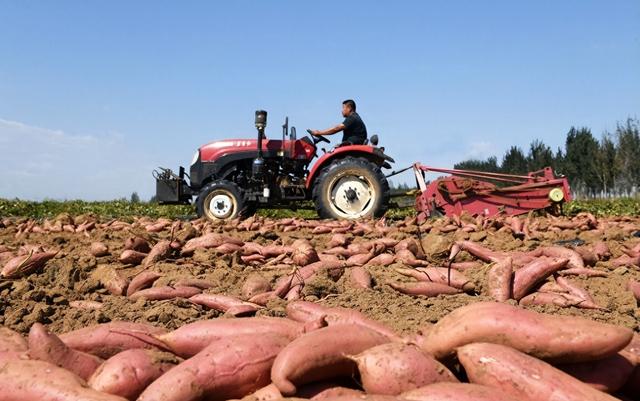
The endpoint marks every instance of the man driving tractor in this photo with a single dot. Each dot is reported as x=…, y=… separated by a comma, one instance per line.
x=354, y=130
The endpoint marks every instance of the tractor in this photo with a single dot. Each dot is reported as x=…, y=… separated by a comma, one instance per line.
x=234, y=177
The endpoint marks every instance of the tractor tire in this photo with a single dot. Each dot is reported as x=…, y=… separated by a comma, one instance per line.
x=351, y=188
x=221, y=200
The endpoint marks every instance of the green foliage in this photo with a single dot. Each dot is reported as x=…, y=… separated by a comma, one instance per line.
x=123, y=209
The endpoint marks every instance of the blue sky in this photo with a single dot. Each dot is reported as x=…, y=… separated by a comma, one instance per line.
x=93, y=95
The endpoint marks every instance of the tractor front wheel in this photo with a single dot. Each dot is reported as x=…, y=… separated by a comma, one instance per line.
x=221, y=200
x=351, y=188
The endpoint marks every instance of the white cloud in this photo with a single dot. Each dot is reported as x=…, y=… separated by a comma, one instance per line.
x=40, y=163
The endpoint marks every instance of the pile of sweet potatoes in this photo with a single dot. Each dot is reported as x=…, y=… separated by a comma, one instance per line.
x=483, y=351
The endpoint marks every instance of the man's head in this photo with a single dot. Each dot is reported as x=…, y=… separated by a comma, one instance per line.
x=348, y=107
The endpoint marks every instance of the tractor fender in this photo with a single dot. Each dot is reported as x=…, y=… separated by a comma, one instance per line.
x=374, y=154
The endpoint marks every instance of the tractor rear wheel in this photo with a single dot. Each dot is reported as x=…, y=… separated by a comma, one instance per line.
x=351, y=188
x=221, y=200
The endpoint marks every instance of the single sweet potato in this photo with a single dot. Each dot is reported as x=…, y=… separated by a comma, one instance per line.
x=307, y=312
x=165, y=292
x=255, y=284
x=384, y=259
x=426, y=288
x=26, y=264
x=574, y=259
x=98, y=249
x=321, y=355
x=444, y=391
x=107, y=339
x=228, y=368
x=360, y=277
x=303, y=252
x=549, y=298
x=608, y=374
x=522, y=376
x=225, y=303
x=499, y=280
x=527, y=277
x=129, y=372
x=191, y=338
x=141, y=281
x=561, y=339
x=131, y=257
x=206, y=241
x=442, y=275
x=160, y=251
x=394, y=368
x=26, y=380
x=47, y=347
x=137, y=244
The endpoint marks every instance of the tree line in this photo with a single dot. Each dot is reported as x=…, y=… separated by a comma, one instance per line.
x=604, y=167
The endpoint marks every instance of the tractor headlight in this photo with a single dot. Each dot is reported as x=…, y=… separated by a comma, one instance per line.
x=195, y=157
x=556, y=195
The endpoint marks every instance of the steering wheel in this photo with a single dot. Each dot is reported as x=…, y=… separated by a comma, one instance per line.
x=318, y=138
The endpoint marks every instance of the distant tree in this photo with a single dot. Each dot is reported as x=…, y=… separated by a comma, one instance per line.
x=153, y=199
x=540, y=156
x=514, y=161
x=135, y=198
x=605, y=162
x=489, y=165
x=628, y=156
x=581, y=152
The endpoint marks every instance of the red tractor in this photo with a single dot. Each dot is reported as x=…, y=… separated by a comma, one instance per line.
x=234, y=177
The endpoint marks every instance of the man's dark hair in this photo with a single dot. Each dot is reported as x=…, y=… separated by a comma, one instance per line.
x=350, y=103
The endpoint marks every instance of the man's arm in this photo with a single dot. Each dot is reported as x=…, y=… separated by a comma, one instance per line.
x=329, y=131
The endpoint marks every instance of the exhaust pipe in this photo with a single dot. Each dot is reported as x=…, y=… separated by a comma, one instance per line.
x=257, y=169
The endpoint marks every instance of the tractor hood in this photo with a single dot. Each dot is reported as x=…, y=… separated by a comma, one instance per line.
x=216, y=149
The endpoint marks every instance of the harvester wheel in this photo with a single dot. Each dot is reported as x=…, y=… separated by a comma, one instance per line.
x=351, y=188
x=221, y=200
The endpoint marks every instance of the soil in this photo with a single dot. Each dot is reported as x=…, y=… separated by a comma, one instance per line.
x=44, y=296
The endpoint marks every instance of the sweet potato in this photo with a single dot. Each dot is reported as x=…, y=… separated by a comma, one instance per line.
x=303, y=252
x=527, y=277
x=86, y=304
x=47, y=347
x=98, y=249
x=338, y=240
x=285, y=283
x=499, y=280
x=160, y=251
x=194, y=282
x=25, y=380
x=131, y=257
x=522, y=376
x=320, y=355
x=263, y=298
x=141, y=281
x=110, y=279
x=561, y=339
x=463, y=266
x=574, y=289
x=394, y=368
x=360, y=277
x=405, y=256
x=384, y=259
x=107, y=339
x=411, y=245
x=224, y=303
x=228, y=368
x=137, y=244
x=482, y=253
x=426, y=288
x=255, y=284
x=574, y=259
x=582, y=272
x=304, y=311
x=549, y=298
x=442, y=275
x=206, y=241
x=601, y=250
x=11, y=341
x=456, y=392
x=128, y=373
x=165, y=292
x=23, y=265
x=189, y=339
x=608, y=374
